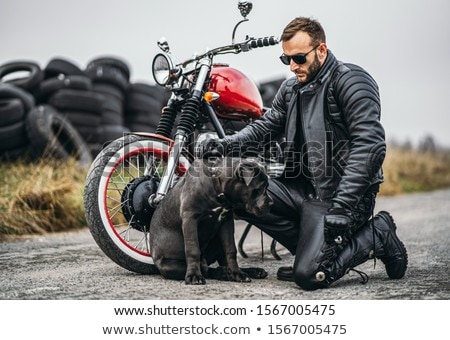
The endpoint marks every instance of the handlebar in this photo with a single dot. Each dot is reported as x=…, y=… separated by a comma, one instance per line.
x=262, y=42
x=245, y=46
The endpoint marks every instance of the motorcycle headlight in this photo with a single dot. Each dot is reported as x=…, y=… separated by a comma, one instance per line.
x=162, y=68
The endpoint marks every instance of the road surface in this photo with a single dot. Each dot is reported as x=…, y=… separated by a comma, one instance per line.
x=71, y=266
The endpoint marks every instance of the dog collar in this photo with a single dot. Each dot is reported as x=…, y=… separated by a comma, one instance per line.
x=220, y=195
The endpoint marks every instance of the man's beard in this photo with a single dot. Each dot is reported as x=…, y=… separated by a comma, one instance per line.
x=313, y=69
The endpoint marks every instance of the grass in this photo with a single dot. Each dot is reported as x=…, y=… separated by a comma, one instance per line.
x=47, y=196
x=42, y=197
x=408, y=171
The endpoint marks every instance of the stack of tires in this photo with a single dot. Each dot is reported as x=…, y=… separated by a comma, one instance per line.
x=69, y=90
x=110, y=79
x=28, y=127
x=269, y=89
x=72, y=111
x=15, y=103
x=143, y=106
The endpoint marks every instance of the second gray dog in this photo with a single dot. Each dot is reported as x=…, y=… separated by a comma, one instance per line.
x=193, y=226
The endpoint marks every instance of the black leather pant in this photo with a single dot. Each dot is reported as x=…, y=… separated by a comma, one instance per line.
x=296, y=221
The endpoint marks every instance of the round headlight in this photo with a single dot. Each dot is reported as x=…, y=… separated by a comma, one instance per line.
x=162, y=65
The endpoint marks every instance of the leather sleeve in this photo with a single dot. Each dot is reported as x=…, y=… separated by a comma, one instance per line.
x=358, y=96
x=270, y=125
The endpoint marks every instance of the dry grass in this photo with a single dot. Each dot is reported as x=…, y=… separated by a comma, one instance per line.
x=408, y=171
x=47, y=196
x=41, y=197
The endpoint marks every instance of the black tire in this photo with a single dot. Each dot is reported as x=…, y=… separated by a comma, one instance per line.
x=269, y=89
x=81, y=118
x=142, y=109
x=105, y=184
x=29, y=82
x=112, y=104
x=108, y=133
x=90, y=134
x=8, y=91
x=77, y=100
x=109, y=91
x=49, y=86
x=143, y=117
x=111, y=61
x=11, y=111
x=157, y=92
x=57, y=66
x=136, y=127
x=111, y=117
x=13, y=136
x=52, y=135
x=142, y=102
x=109, y=75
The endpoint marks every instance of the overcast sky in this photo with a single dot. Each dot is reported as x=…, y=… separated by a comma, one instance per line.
x=404, y=44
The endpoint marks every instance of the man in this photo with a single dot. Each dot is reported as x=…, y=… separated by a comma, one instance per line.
x=329, y=114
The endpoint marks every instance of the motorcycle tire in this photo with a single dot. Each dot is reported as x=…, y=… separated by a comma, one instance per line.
x=120, y=180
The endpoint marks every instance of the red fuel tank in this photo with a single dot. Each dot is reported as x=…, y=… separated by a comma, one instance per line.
x=239, y=98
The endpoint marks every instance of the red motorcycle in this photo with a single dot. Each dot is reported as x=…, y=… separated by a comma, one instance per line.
x=132, y=175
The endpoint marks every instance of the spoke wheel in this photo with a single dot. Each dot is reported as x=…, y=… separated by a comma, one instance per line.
x=118, y=185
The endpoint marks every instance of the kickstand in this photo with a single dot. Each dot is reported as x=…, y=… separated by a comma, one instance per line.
x=273, y=245
x=273, y=250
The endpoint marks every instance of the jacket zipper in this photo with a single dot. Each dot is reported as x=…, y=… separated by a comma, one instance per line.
x=313, y=180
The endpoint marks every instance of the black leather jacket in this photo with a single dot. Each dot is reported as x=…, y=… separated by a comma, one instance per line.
x=339, y=116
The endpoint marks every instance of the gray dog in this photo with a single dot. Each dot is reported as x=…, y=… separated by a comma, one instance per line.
x=193, y=226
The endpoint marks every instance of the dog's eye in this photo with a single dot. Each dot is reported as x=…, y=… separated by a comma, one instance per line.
x=258, y=192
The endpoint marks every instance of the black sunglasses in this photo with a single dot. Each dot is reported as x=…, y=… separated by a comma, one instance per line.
x=297, y=58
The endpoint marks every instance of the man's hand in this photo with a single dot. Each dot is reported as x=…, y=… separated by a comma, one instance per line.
x=338, y=224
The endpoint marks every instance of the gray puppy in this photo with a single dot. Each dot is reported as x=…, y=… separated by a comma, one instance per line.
x=193, y=226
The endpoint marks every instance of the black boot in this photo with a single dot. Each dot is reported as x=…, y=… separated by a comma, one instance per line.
x=388, y=248
x=393, y=252
x=285, y=273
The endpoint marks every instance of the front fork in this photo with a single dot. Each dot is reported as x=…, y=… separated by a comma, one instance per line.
x=185, y=127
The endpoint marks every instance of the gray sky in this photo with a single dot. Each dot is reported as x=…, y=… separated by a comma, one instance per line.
x=404, y=44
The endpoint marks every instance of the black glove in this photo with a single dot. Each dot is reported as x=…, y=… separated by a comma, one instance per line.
x=210, y=147
x=338, y=224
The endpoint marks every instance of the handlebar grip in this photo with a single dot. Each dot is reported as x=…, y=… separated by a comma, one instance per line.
x=262, y=42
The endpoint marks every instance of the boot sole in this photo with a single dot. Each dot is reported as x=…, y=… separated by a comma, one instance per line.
x=285, y=274
x=391, y=223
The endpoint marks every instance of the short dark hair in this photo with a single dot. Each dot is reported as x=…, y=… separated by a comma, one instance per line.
x=308, y=25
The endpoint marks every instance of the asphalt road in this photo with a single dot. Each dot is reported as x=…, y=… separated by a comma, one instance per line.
x=71, y=266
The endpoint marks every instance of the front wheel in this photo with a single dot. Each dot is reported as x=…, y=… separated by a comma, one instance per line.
x=118, y=185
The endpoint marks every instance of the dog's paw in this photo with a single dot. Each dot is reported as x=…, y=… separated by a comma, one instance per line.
x=194, y=279
x=255, y=272
x=237, y=276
